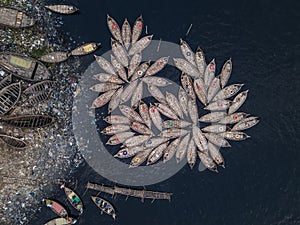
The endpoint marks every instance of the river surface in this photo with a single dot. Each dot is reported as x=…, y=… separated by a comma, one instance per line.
x=260, y=184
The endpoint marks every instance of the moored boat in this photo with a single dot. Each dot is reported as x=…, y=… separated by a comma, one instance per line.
x=23, y=66
x=105, y=206
x=5, y=81
x=63, y=9
x=85, y=49
x=13, y=141
x=9, y=96
x=28, y=121
x=56, y=208
x=73, y=198
x=61, y=221
x=15, y=18
x=55, y=57
x=45, y=85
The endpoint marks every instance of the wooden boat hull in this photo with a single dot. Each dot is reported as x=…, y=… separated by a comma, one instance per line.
x=13, y=141
x=55, y=57
x=24, y=67
x=61, y=221
x=85, y=49
x=45, y=85
x=5, y=81
x=28, y=121
x=104, y=206
x=9, y=96
x=15, y=18
x=74, y=199
x=62, y=9
x=56, y=208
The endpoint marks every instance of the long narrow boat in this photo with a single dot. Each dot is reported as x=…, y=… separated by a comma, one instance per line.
x=9, y=96
x=74, y=199
x=55, y=57
x=104, y=206
x=13, y=141
x=23, y=66
x=61, y=221
x=85, y=49
x=63, y=9
x=56, y=208
x=45, y=85
x=28, y=121
x=15, y=18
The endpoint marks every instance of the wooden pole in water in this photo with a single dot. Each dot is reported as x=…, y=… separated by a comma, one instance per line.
x=188, y=31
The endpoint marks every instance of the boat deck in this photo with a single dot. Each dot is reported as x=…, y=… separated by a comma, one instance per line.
x=14, y=18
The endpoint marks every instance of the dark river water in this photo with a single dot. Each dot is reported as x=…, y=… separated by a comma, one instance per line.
x=260, y=184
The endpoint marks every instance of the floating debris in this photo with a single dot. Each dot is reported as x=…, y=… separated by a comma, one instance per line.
x=23, y=66
x=63, y=9
x=105, y=206
x=15, y=18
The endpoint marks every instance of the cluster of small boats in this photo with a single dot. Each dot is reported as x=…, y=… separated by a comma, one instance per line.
x=13, y=98
x=141, y=130
x=76, y=202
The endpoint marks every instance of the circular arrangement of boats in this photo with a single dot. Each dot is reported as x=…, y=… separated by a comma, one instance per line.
x=141, y=130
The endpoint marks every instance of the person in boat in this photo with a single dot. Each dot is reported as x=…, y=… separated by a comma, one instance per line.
x=75, y=200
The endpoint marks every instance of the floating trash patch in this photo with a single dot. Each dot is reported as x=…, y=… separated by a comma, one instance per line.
x=168, y=126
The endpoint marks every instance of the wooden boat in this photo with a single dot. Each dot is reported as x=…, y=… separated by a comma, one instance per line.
x=62, y=9
x=85, y=49
x=104, y=206
x=55, y=57
x=13, y=141
x=9, y=96
x=73, y=199
x=5, y=81
x=23, y=66
x=61, y=221
x=56, y=208
x=37, y=98
x=44, y=85
x=15, y=18
x=28, y=121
